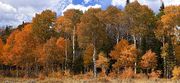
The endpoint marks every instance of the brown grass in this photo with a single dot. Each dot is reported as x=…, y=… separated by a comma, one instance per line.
x=69, y=80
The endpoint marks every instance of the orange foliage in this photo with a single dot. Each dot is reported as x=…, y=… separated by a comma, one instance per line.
x=1, y=48
x=155, y=74
x=88, y=75
x=127, y=73
x=52, y=53
x=23, y=50
x=28, y=28
x=1, y=45
x=148, y=60
x=87, y=58
x=112, y=75
x=176, y=72
x=102, y=61
x=7, y=49
x=63, y=24
x=61, y=42
x=124, y=54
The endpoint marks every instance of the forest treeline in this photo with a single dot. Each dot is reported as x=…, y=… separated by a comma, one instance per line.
x=115, y=43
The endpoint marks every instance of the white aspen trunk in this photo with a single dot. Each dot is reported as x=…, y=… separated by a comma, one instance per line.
x=74, y=30
x=140, y=42
x=164, y=60
x=117, y=39
x=134, y=39
x=94, y=61
x=135, y=64
x=117, y=35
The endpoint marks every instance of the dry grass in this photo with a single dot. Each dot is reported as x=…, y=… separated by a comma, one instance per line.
x=69, y=80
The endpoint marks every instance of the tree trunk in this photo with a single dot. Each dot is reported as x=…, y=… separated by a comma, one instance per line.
x=94, y=61
x=140, y=43
x=167, y=69
x=164, y=62
x=74, y=30
x=134, y=39
x=135, y=64
x=117, y=38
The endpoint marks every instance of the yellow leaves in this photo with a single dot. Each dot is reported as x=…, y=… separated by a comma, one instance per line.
x=172, y=9
x=176, y=72
x=168, y=20
x=171, y=18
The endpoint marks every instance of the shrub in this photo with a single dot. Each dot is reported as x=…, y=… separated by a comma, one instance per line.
x=154, y=74
x=56, y=75
x=88, y=75
x=112, y=75
x=127, y=73
x=141, y=76
x=41, y=76
x=102, y=74
x=67, y=73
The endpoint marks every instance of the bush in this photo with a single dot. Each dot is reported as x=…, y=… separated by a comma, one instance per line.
x=41, y=76
x=127, y=73
x=56, y=75
x=102, y=73
x=112, y=75
x=176, y=72
x=88, y=75
x=154, y=74
x=141, y=76
x=67, y=73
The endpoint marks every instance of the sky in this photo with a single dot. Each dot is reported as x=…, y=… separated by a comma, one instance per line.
x=14, y=12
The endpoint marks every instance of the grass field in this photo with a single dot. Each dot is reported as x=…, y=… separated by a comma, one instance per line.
x=55, y=80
